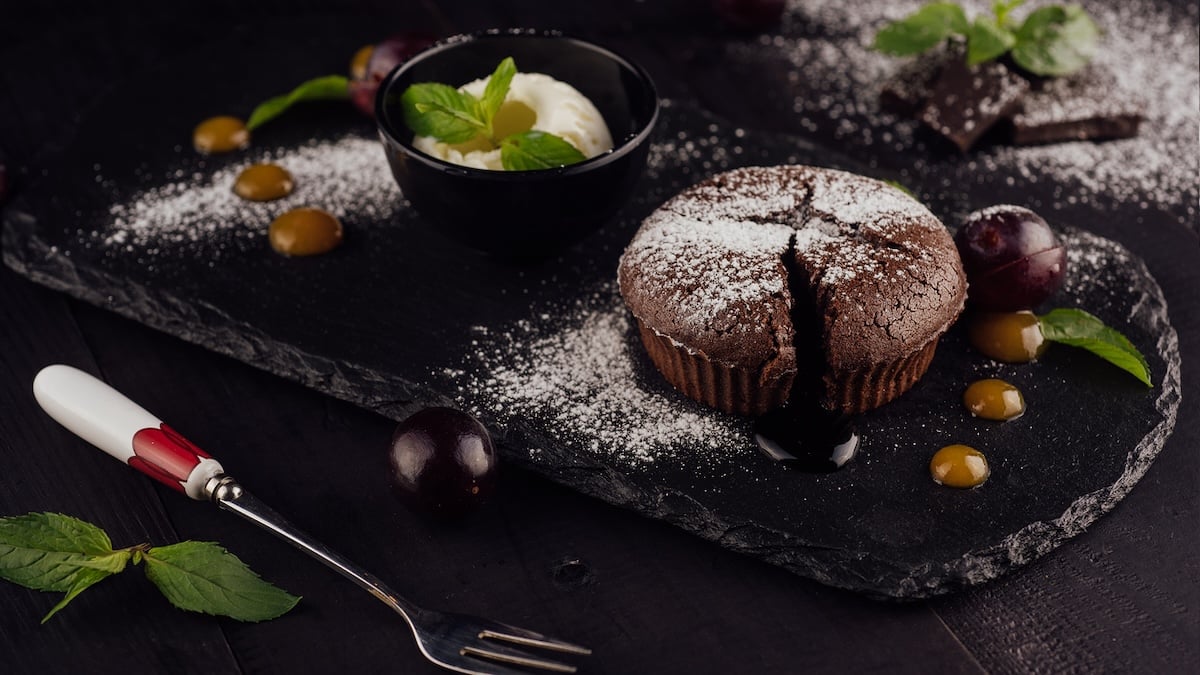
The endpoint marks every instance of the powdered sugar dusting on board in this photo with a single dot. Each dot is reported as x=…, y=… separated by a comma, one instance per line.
x=1151, y=51
x=580, y=371
x=585, y=381
x=347, y=175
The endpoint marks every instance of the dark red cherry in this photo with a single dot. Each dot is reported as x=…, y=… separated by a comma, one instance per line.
x=1012, y=258
x=750, y=15
x=383, y=57
x=443, y=462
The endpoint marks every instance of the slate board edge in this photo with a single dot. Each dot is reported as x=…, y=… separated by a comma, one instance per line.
x=838, y=568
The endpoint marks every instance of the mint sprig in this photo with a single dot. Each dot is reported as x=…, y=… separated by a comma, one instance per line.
x=452, y=116
x=325, y=88
x=200, y=576
x=55, y=552
x=531, y=150
x=1056, y=40
x=441, y=111
x=922, y=30
x=1078, y=328
x=1052, y=41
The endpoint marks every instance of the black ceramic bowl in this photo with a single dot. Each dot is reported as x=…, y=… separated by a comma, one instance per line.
x=522, y=213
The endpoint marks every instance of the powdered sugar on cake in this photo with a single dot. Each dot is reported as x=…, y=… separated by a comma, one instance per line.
x=680, y=253
x=713, y=253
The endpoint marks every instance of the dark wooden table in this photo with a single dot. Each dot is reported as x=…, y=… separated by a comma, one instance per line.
x=1122, y=597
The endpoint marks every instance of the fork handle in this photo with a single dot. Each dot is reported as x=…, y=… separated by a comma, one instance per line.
x=104, y=417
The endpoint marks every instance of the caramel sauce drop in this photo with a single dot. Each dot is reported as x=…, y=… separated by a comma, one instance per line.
x=220, y=134
x=263, y=182
x=305, y=231
x=1012, y=337
x=358, y=64
x=959, y=466
x=994, y=399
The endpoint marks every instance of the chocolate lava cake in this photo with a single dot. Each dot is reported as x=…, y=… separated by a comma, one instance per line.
x=765, y=284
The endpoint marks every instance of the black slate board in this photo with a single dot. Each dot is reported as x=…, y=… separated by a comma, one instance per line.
x=400, y=317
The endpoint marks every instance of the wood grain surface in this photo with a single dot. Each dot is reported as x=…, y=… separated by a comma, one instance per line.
x=1123, y=597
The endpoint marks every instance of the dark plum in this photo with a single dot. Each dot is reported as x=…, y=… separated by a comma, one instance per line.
x=1012, y=258
x=3, y=182
x=379, y=61
x=749, y=15
x=443, y=462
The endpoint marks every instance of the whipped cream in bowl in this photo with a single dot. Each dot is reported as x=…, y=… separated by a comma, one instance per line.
x=598, y=102
x=535, y=102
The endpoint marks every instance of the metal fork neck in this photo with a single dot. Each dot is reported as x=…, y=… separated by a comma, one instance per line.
x=229, y=495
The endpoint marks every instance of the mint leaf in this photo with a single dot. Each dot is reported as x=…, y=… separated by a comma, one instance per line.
x=329, y=87
x=922, y=30
x=441, y=111
x=53, y=552
x=1002, y=8
x=497, y=89
x=1056, y=40
x=203, y=577
x=986, y=40
x=1077, y=328
x=902, y=187
x=531, y=150
x=47, y=551
x=81, y=581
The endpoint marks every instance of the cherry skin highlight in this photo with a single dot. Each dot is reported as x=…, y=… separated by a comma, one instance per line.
x=443, y=462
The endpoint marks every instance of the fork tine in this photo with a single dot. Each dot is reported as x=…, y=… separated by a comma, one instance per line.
x=529, y=638
x=516, y=658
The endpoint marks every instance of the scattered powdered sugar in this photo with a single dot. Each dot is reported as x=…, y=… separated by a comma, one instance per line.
x=678, y=258
x=579, y=376
x=345, y=176
x=579, y=373
x=1151, y=50
x=1093, y=262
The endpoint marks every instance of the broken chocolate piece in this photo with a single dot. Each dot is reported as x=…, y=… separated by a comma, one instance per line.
x=967, y=101
x=907, y=90
x=1088, y=105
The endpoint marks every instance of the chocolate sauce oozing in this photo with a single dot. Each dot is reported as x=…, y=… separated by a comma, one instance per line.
x=810, y=439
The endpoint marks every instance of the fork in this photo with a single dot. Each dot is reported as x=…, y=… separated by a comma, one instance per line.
x=107, y=419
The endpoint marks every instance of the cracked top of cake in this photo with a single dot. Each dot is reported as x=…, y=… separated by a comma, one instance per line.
x=710, y=268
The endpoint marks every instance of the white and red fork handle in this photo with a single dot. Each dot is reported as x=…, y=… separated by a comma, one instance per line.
x=108, y=420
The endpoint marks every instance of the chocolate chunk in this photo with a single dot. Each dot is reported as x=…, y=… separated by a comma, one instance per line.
x=967, y=101
x=907, y=90
x=1085, y=106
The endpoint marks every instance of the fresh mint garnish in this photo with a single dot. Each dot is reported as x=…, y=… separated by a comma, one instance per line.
x=443, y=112
x=1056, y=40
x=326, y=88
x=532, y=150
x=922, y=30
x=496, y=90
x=987, y=40
x=452, y=116
x=55, y=552
x=1051, y=41
x=203, y=577
x=1077, y=328
x=903, y=188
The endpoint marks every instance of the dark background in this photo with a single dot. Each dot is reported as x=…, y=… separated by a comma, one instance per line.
x=647, y=598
